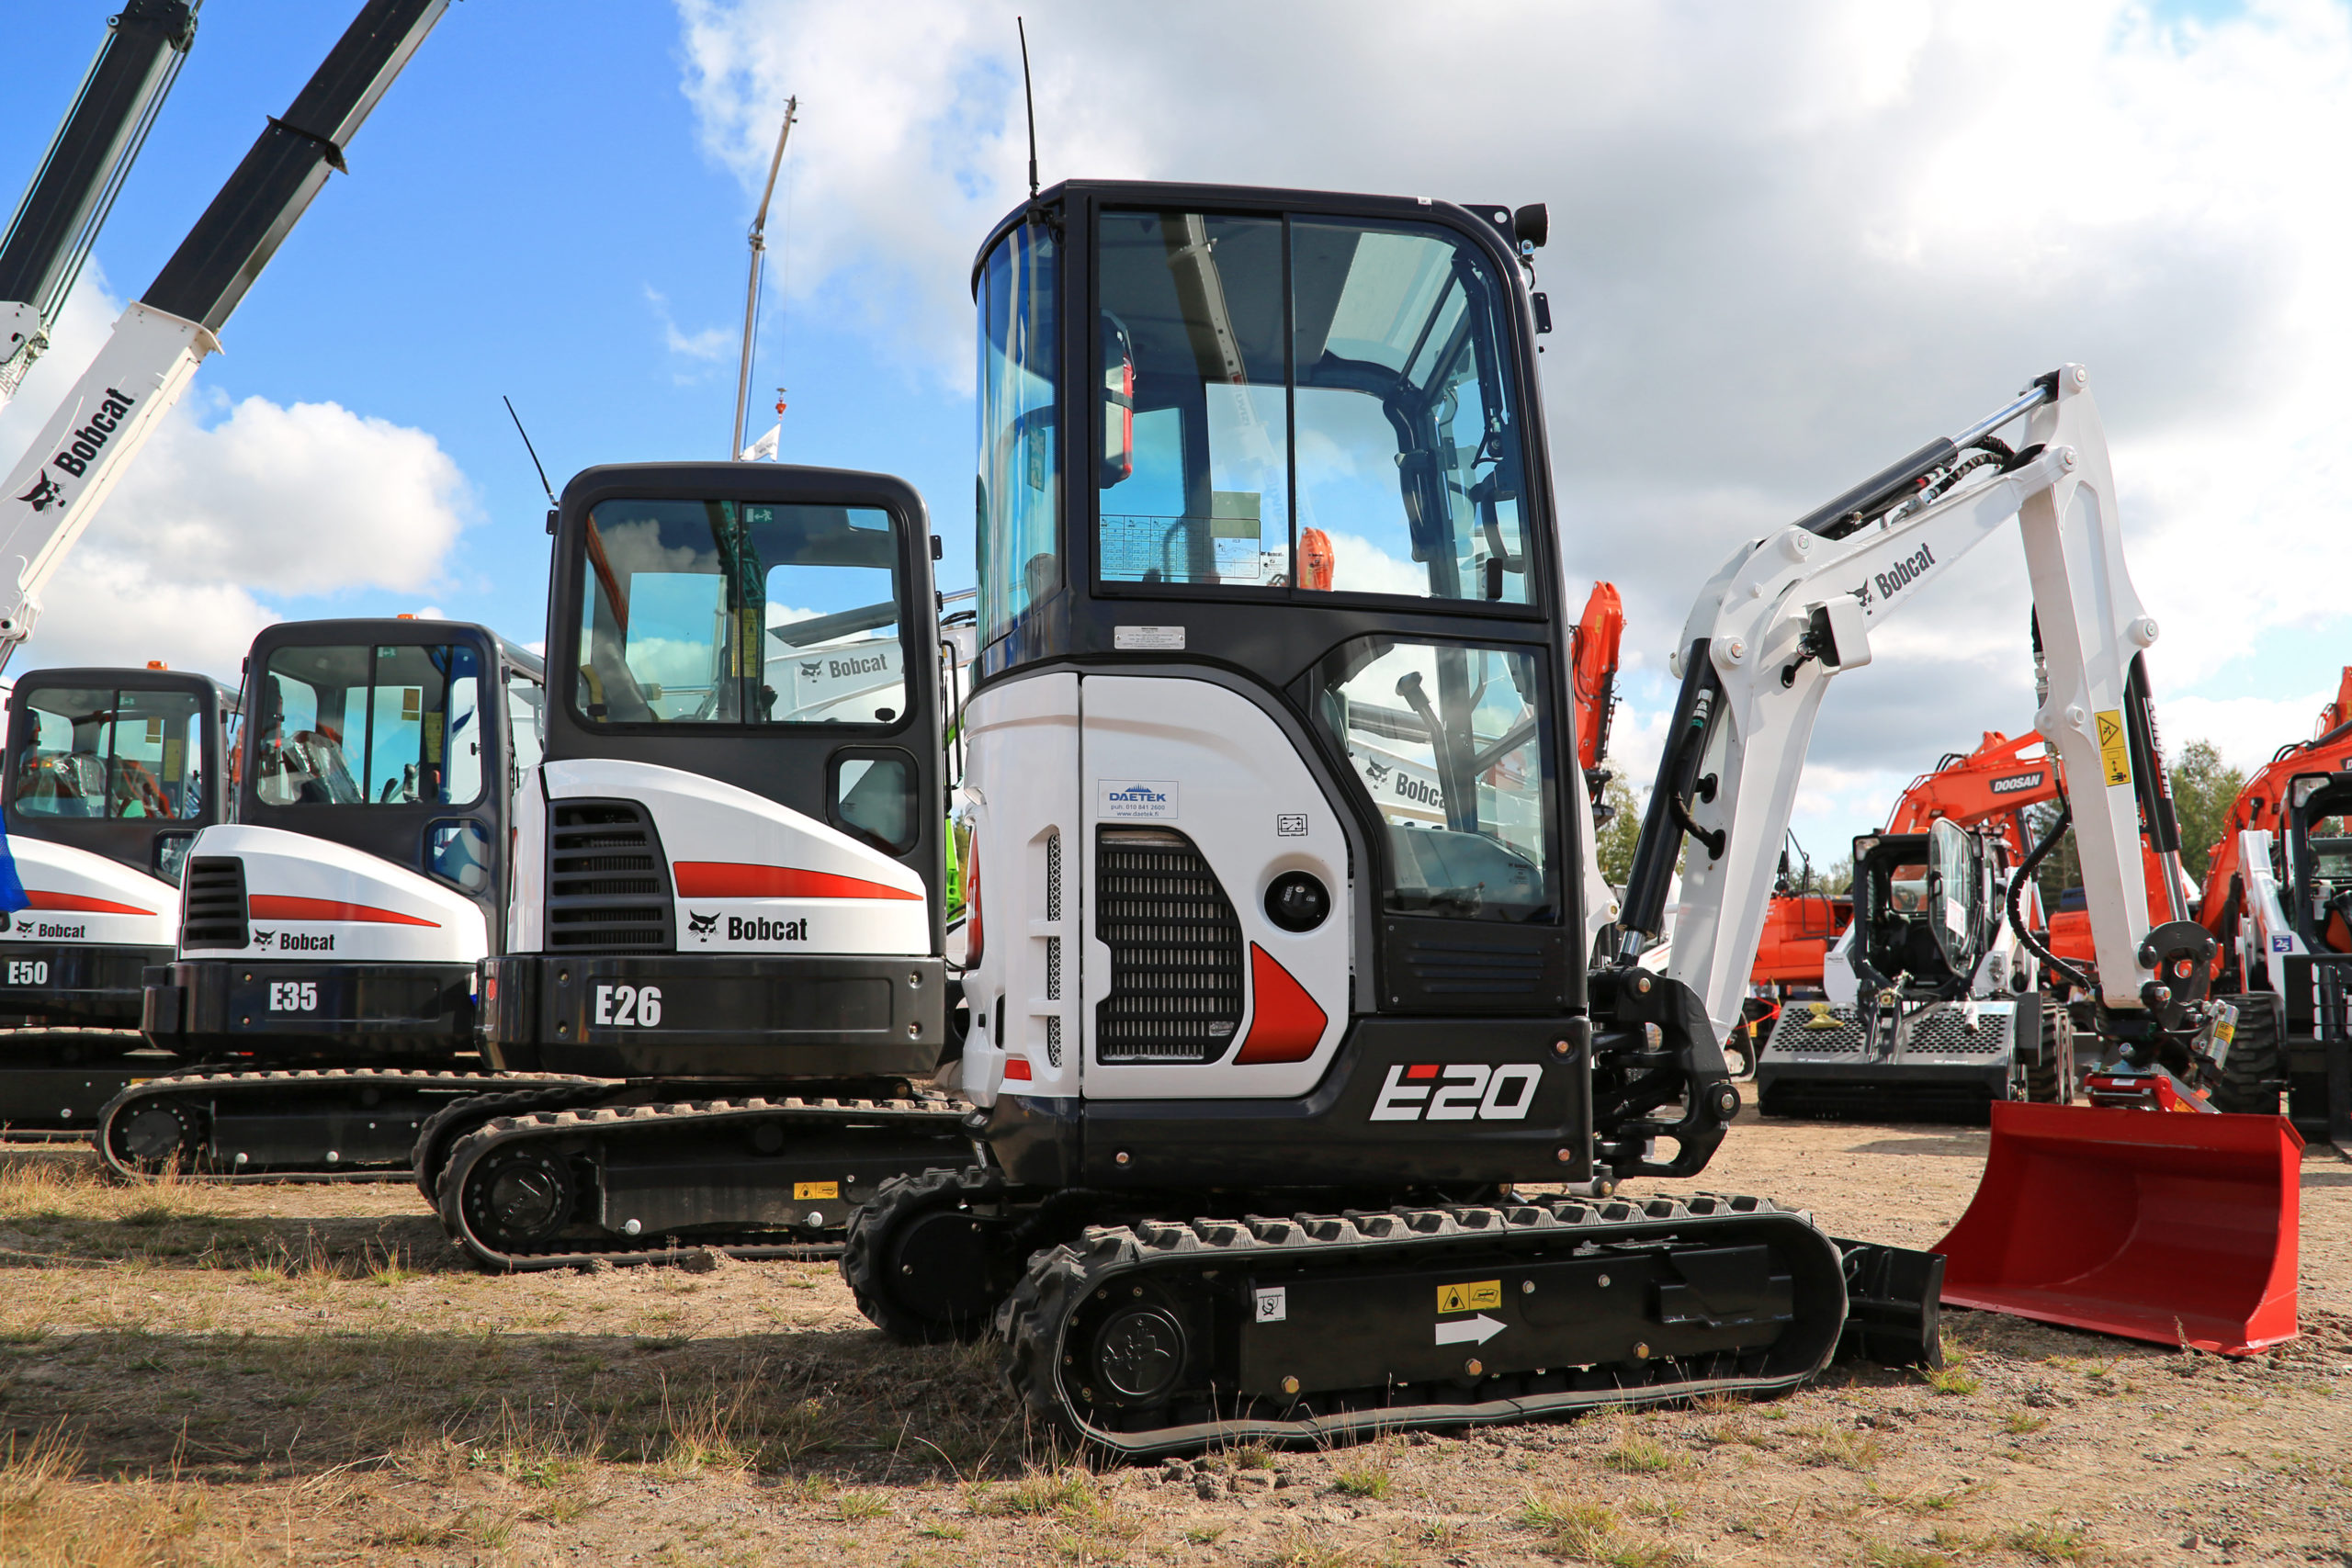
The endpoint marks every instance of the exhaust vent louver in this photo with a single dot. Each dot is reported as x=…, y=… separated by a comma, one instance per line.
x=609, y=883
x=212, y=904
x=1175, y=949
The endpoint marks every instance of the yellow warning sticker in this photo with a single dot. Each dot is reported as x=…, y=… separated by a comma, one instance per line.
x=2114, y=750
x=1470, y=1297
x=804, y=1190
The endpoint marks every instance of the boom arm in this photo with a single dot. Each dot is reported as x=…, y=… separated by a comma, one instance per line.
x=64, y=476
x=58, y=219
x=1786, y=613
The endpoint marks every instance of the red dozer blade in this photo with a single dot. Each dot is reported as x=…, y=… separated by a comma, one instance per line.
x=2176, y=1228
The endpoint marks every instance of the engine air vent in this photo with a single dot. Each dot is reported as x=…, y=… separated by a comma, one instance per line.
x=212, y=904
x=1175, y=949
x=609, y=883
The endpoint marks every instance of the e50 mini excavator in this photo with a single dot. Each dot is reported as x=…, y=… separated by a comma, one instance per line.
x=111, y=775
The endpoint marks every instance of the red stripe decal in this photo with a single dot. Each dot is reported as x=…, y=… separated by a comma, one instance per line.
x=80, y=905
x=279, y=907
x=1284, y=1021
x=730, y=879
x=1017, y=1068
x=1428, y=1070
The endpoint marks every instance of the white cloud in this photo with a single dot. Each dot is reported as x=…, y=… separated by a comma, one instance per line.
x=707, y=345
x=227, y=507
x=1790, y=243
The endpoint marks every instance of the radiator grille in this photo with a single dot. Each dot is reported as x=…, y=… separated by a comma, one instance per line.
x=212, y=903
x=608, y=884
x=1175, y=949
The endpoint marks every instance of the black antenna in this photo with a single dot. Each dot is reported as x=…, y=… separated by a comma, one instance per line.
x=1029, y=98
x=552, y=507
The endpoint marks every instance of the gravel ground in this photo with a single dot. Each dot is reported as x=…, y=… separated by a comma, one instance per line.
x=307, y=1374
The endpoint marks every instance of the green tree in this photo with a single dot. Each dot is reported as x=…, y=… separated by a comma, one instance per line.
x=1615, y=841
x=2203, y=789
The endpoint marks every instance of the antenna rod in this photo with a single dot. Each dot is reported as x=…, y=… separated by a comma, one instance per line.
x=528, y=447
x=1029, y=99
x=752, y=291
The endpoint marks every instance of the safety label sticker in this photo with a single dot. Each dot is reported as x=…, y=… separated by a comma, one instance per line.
x=2114, y=750
x=1290, y=824
x=1471, y=1296
x=804, y=1190
x=1274, y=1304
x=1147, y=639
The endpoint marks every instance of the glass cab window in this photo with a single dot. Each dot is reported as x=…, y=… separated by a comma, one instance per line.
x=1310, y=404
x=1018, y=490
x=721, y=611
x=1449, y=743
x=389, y=725
x=111, y=754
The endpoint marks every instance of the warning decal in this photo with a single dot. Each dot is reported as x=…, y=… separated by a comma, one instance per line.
x=1470, y=1297
x=2114, y=750
x=804, y=1190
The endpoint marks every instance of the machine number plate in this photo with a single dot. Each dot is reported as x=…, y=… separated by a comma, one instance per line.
x=28, y=972
x=628, y=1007
x=1473, y=1296
x=804, y=1190
x=293, y=995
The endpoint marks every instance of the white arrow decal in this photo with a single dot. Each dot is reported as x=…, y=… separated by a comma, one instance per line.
x=1470, y=1330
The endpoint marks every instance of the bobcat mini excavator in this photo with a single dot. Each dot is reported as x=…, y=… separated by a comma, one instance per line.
x=324, y=976
x=1259, y=1054
x=111, y=775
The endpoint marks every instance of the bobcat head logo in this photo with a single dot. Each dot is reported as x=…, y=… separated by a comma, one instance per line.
x=701, y=925
x=43, y=495
x=1376, y=771
x=810, y=672
x=263, y=938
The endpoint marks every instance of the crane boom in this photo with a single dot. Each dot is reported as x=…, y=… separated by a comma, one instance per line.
x=65, y=475
x=67, y=203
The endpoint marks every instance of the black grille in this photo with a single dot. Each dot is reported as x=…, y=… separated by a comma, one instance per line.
x=212, y=903
x=1487, y=965
x=1175, y=949
x=608, y=884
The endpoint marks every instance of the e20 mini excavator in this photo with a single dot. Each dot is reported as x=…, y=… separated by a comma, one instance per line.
x=1261, y=1050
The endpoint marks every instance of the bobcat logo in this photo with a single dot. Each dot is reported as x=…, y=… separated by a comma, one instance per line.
x=263, y=938
x=1375, y=771
x=44, y=493
x=701, y=925
x=810, y=672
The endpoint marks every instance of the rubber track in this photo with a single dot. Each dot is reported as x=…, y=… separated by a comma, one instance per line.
x=355, y=1077
x=429, y=1156
x=1060, y=1282
x=939, y=1115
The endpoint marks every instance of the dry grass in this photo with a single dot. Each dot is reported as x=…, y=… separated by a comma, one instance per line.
x=1580, y=1532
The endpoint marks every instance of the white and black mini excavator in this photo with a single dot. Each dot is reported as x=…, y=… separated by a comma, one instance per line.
x=727, y=880
x=1279, y=979
x=324, y=975
x=111, y=775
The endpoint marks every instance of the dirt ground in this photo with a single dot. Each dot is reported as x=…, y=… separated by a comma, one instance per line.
x=308, y=1374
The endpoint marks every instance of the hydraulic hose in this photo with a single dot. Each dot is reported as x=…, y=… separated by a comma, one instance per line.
x=2024, y=875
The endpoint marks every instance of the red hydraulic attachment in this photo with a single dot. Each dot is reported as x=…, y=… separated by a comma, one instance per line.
x=1595, y=643
x=2090, y=1218
x=2259, y=805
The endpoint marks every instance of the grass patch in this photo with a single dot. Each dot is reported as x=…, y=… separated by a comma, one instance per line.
x=2017, y=1423
x=1370, y=1477
x=1588, y=1533
x=1204, y=1535
x=1835, y=1445
x=1879, y=1554
x=1951, y=1380
x=862, y=1507
x=1037, y=1494
x=942, y=1533
x=2047, y=1540
x=1638, y=1453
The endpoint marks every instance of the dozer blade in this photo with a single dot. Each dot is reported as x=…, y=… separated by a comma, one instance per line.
x=2176, y=1229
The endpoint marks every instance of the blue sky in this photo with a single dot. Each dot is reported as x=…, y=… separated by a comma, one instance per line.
x=1790, y=242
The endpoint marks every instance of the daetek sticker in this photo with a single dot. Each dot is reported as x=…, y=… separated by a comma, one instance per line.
x=2015, y=784
x=1274, y=1304
x=1136, y=800
x=1472, y=1297
x=2114, y=749
x=1457, y=1092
